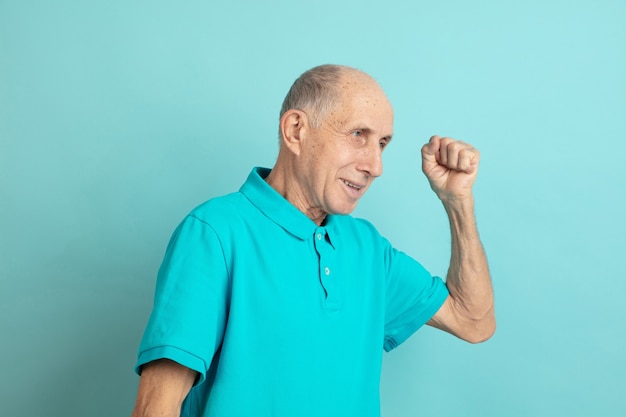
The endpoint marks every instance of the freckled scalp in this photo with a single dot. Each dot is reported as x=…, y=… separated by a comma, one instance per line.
x=319, y=89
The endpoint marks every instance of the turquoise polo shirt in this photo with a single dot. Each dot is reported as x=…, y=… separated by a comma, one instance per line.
x=279, y=316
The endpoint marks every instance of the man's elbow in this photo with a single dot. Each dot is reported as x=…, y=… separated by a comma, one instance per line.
x=481, y=332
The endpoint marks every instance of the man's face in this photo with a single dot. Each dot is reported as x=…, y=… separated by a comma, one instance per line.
x=341, y=158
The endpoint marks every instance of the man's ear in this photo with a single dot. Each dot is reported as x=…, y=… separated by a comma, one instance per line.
x=294, y=126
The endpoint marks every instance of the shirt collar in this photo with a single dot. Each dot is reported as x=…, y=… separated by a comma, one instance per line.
x=281, y=211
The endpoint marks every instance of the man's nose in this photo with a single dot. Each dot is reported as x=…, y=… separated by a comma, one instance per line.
x=371, y=161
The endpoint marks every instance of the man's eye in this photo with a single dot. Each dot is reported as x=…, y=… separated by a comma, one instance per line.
x=357, y=133
x=382, y=144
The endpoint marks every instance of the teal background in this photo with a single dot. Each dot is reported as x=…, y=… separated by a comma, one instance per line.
x=118, y=117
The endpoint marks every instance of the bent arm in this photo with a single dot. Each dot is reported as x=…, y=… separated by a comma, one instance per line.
x=468, y=312
x=451, y=167
x=163, y=386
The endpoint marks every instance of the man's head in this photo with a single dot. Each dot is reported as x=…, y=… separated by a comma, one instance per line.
x=335, y=123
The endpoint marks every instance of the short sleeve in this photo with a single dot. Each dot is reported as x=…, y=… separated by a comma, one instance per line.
x=190, y=306
x=413, y=296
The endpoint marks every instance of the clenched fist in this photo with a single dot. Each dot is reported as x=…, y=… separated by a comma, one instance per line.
x=451, y=167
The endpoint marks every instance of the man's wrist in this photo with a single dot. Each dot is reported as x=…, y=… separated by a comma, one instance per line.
x=457, y=202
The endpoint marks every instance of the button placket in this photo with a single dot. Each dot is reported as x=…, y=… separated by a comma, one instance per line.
x=328, y=282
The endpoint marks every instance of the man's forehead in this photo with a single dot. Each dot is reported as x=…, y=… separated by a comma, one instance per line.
x=363, y=115
x=364, y=101
x=361, y=103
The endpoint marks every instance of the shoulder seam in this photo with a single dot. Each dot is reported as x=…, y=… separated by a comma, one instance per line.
x=217, y=236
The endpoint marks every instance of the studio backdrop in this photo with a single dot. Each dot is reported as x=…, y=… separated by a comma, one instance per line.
x=118, y=117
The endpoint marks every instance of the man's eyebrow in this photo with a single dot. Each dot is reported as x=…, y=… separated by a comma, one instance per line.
x=387, y=138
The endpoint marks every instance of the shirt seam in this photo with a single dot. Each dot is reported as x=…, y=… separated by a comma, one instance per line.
x=217, y=236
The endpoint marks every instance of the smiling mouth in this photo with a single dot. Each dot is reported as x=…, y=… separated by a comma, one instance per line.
x=351, y=185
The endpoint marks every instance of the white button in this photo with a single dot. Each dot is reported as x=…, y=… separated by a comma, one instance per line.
x=319, y=236
x=327, y=271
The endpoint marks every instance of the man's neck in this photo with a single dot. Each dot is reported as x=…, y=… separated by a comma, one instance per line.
x=278, y=179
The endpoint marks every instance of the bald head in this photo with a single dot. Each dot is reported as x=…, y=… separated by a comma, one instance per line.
x=321, y=88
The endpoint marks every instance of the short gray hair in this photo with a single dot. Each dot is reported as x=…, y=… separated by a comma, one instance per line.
x=317, y=90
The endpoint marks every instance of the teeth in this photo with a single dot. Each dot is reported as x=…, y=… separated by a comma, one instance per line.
x=351, y=185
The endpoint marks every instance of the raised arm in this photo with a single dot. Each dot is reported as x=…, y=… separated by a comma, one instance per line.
x=451, y=167
x=163, y=386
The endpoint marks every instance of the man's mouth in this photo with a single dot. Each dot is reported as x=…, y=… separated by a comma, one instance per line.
x=352, y=185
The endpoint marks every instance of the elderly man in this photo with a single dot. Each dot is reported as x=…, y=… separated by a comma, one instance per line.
x=274, y=301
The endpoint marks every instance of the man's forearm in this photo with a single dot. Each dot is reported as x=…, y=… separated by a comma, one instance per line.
x=162, y=388
x=468, y=278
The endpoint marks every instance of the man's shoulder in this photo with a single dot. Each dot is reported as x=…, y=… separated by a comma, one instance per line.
x=220, y=210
